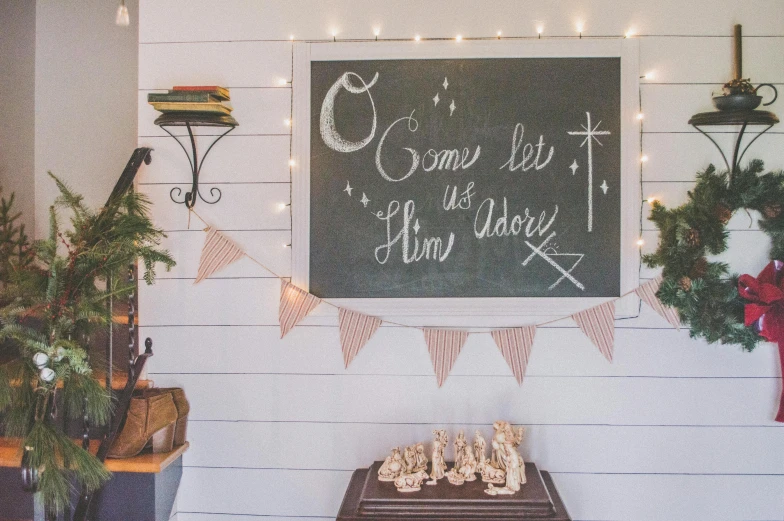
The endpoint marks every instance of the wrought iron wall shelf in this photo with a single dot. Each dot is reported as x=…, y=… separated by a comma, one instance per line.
x=190, y=120
x=741, y=118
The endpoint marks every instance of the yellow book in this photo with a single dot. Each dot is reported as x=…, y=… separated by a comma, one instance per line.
x=221, y=108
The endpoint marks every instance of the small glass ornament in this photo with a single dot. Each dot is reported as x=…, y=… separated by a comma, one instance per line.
x=47, y=374
x=40, y=360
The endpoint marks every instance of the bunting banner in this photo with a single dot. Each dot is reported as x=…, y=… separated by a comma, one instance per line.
x=295, y=304
x=647, y=292
x=515, y=344
x=598, y=324
x=444, y=346
x=218, y=252
x=355, y=330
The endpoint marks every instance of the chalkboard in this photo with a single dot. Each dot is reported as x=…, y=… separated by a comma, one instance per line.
x=465, y=177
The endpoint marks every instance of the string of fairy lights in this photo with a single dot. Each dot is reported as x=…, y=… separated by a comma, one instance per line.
x=579, y=29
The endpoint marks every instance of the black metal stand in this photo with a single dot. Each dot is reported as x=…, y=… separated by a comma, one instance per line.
x=742, y=118
x=190, y=120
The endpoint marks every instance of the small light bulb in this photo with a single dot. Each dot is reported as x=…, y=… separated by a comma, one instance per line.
x=282, y=82
x=644, y=159
x=580, y=26
x=640, y=115
x=417, y=38
x=376, y=31
x=122, y=19
x=285, y=245
x=281, y=206
x=651, y=200
x=539, y=29
x=459, y=38
x=499, y=33
x=291, y=37
x=292, y=162
x=287, y=122
x=640, y=242
x=629, y=33
x=649, y=75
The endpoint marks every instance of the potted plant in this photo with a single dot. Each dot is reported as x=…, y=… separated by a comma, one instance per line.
x=54, y=296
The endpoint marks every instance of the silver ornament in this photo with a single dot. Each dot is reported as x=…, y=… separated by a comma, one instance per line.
x=40, y=360
x=47, y=374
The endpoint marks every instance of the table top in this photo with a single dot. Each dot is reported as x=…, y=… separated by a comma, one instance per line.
x=11, y=456
x=734, y=117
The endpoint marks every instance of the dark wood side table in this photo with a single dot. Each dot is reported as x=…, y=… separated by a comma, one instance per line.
x=368, y=499
x=142, y=488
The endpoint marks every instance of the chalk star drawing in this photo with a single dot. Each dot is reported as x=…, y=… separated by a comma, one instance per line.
x=348, y=189
x=573, y=167
x=452, y=107
x=364, y=200
x=590, y=134
x=436, y=99
x=416, y=226
x=446, y=83
x=547, y=256
x=604, y=186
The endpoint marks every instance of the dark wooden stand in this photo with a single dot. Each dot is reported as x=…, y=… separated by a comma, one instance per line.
x=368, y=499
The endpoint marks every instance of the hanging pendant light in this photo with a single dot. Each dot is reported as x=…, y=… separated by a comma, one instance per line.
x=122, y=19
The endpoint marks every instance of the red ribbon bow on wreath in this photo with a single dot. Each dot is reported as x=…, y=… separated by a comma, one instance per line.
x=765, y=310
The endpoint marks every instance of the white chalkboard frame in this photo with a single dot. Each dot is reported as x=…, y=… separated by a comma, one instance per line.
x=529, y=309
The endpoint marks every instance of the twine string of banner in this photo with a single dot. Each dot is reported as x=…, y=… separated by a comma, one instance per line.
x=443, y=343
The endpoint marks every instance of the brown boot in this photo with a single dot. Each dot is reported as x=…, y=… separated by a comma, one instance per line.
x=183, y=408
x=150, y=418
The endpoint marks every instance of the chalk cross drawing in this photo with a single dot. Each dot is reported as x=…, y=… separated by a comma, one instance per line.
x=436, y=99
x=590, y=134
x=364, y=200
x=573, y=167
x=604, y=186
x=544, y=253
x=348, y=189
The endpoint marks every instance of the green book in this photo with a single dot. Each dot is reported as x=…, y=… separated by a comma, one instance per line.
x=181, y=97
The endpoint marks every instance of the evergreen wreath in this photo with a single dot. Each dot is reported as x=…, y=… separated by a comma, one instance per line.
x=704, y=292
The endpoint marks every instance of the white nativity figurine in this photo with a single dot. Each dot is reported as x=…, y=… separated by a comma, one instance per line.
x=410, y=482
x=409, y=460
x=421, y=458
x=479, y=451
x=392, y=466
x=438, y=469
x=465, y=462
x=507, y=459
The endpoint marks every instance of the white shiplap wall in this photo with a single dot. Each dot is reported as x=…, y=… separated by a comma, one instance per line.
x=674, y=429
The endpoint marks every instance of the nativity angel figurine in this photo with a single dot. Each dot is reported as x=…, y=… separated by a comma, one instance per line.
x=438, y=469
x=392, y=466
x=507, y=458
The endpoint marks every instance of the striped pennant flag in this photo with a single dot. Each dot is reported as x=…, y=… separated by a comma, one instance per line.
x=444, y=345
x=218, y=252
x=647, y=292
x=295, y=304
x=355, y=330
x=598, y=324
x=515, y=344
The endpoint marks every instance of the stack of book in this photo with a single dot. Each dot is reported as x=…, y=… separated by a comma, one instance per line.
x=192, y=103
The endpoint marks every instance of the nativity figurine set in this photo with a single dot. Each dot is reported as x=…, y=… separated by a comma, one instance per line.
x=504, y=472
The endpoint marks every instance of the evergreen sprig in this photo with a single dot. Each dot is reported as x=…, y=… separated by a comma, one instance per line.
x=705, y=292
x=55, y=294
